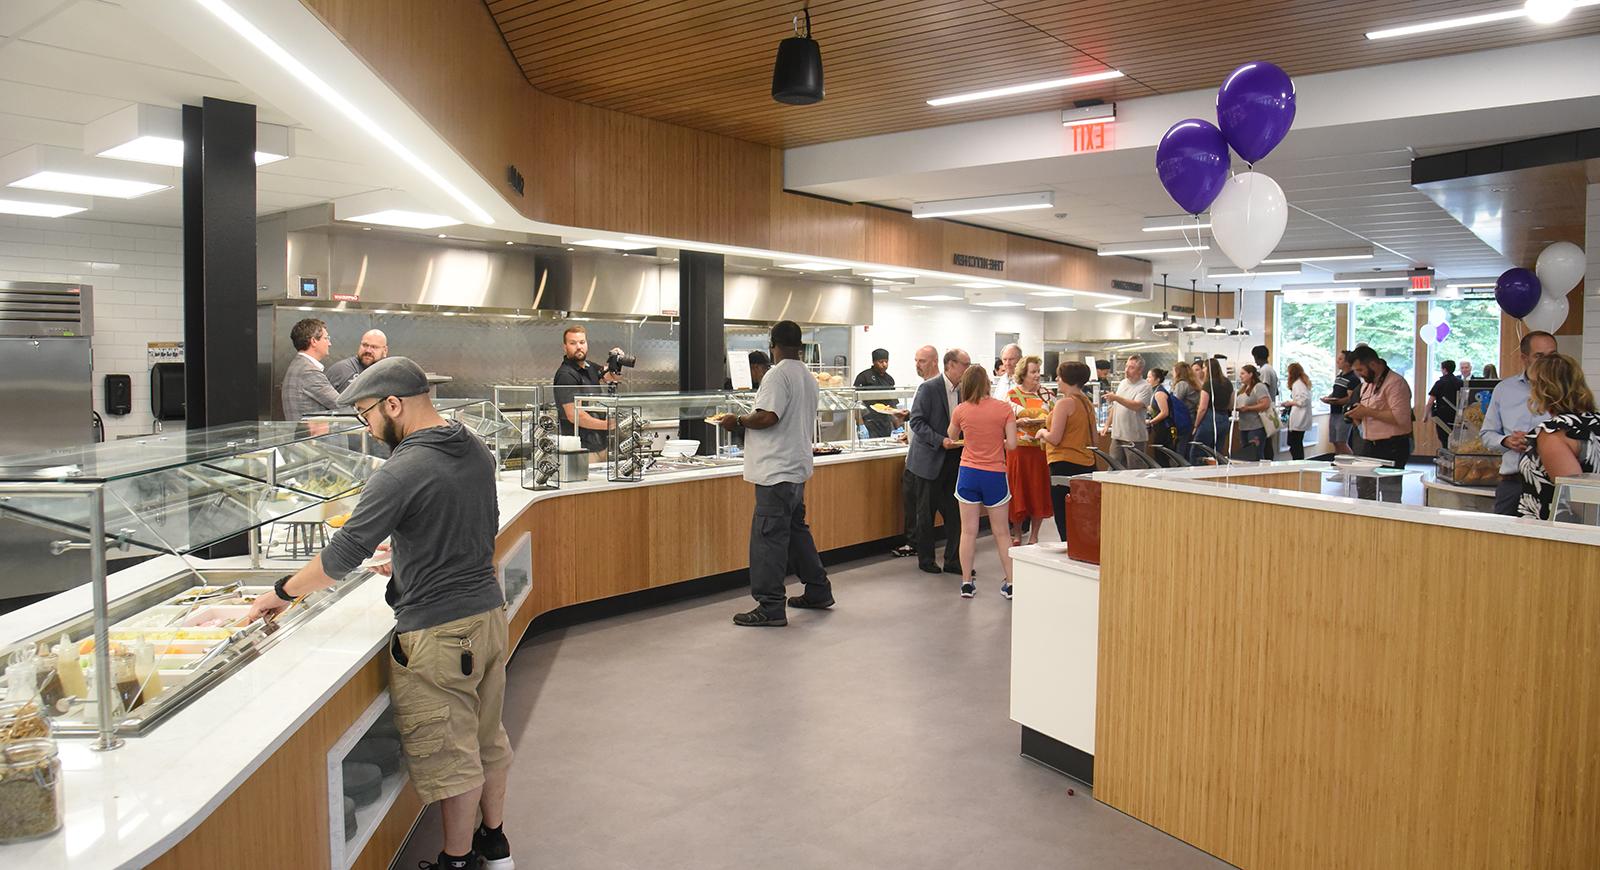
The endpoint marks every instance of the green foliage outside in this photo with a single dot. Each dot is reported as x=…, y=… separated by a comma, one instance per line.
x=1474, y=335
x=1390, y=328
x=1305, y=334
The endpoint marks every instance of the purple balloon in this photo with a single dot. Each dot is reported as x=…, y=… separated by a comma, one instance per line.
x=1255, y=108
x=1444, y=332
x=1517, y=291
x=1192, y=162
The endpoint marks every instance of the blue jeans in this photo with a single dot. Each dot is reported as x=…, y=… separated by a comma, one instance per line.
x=1213, y=433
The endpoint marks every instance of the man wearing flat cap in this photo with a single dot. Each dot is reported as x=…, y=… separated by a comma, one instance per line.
x=878, y=425
x=434, y=497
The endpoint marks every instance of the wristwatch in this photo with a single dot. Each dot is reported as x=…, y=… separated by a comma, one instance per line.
x=278, y=590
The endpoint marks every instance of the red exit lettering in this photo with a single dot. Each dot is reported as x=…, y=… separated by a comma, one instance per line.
x=1091, y=137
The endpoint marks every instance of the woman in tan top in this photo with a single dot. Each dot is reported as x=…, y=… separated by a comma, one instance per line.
x=1068, y=438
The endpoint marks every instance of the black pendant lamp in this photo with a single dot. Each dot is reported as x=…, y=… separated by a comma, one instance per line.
x=1165, y=324
x=797, y=73
x=1240, y=331
x=1216, y=327
x=1193, y=326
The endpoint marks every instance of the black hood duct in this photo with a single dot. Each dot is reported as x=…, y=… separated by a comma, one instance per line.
x=797, y=73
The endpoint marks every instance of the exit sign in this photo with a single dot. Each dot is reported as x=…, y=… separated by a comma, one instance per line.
x=1422, y=282
x=1093, y=137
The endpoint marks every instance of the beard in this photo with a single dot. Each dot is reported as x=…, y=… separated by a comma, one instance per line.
x=387, y=431
x=579, y=356
x=366, y=359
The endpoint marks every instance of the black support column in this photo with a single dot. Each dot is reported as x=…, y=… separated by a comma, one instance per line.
x=219, y=262
x=702, y=351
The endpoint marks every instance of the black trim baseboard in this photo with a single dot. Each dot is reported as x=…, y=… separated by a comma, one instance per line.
x=1058, y=756
x=644, y=599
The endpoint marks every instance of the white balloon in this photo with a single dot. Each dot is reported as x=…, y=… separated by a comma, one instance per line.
x=1549, y=314
x=1437, y=315
x=1560, y=268
x=1429, y=333
x=1248, y=218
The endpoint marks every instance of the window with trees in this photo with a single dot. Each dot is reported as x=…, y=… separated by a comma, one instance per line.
x=1305, y=333
x=1474, y=334
x=1390, y=328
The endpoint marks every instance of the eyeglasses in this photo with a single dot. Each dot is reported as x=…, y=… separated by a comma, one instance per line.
x=362, y=415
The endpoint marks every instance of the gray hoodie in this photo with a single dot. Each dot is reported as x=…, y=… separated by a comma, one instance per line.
x=436, y=496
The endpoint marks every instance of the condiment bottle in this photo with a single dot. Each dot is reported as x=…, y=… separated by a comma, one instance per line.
x=71, y=673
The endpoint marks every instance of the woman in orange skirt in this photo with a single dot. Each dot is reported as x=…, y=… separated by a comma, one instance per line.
x=1027, y=472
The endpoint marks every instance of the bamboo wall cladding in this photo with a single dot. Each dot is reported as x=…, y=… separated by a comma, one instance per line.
x=1434, y=702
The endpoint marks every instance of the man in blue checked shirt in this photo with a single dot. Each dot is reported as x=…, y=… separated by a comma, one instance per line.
x=1508, y=420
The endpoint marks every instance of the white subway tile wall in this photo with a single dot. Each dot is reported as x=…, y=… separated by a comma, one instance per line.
x=137, y=275
x=1591, y=288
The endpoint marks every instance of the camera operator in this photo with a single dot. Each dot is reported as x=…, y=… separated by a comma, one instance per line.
x=579, y=377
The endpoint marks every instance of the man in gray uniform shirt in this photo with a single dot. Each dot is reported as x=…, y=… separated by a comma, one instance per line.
x=435, y=496
x=777, y=459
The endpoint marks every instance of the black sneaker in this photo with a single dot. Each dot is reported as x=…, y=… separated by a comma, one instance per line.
x=493, y=847
x=969, y=589
x=758, y=618
x=903, y=551
x=1005, y=591
x=807, y=604
x=446, y=863
x=930, y=567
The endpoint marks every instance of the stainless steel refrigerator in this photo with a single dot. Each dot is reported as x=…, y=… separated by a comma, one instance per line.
x=45, y=403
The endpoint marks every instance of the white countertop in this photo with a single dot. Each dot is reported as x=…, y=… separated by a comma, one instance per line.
x=126, y=807
x=1232, y=481
x=1047, y=556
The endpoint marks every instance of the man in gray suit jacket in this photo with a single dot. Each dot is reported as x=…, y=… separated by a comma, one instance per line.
x=306, y=391
x=934, y=461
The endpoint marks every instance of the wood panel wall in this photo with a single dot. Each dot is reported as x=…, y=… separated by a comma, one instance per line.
x=606, y=170
x=1430, y=701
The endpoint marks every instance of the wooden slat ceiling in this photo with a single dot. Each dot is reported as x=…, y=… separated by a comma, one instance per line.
x=707, y=64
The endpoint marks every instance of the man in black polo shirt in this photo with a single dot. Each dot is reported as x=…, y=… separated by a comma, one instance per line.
x=877, y=377
x=579, y=377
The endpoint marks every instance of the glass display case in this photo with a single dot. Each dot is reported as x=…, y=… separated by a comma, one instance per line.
x=126, y=663
x=1577, y=500
x=499, y=432
x=891, y=403
x=643, y=430
x=1463, y=460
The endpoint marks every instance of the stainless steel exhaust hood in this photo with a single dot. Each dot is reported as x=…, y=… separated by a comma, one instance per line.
x=325, y=262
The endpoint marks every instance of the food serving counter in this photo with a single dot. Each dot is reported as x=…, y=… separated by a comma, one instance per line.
x=1315, y=681
x=275, y=739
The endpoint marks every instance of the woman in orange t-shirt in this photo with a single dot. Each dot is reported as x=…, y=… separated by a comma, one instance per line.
x=1027, y=473
x=988, y=429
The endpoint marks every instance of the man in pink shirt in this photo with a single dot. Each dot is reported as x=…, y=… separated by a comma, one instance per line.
x=1384, y=416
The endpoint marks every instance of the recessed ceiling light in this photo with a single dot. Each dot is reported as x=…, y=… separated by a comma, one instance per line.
x=1000, y=303
x=1537, y=11
x=877, y=290
x=510, y=243
x=888, y=276
x=1112, y=304
x=1280, y=270
x=1029, y=88
x=59, y=205
x=1319, y=256
x=984, y=204
x=609, y=244
x=1176, y=222
x=1056, y=293
x=393, y=217
x=291, y=64
x=442, y=235
x=1125, y=248
x=143, y=133
x=812, y=266
x=936, y=297
x=1053, y=308
x=978, y=285
x=66, y=170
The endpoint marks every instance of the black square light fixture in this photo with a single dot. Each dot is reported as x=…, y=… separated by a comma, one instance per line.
x=797, y=73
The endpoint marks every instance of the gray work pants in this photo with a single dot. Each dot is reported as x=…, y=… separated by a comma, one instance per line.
x=1507, y=495
x=779, y=537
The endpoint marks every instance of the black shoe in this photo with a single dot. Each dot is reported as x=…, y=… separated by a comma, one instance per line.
x=952, y=567
x=805, y=603
x=902, y=551
x=758, y=618
x=930, y=567
x=471, y=862
x=493, y=847
x=969, y=589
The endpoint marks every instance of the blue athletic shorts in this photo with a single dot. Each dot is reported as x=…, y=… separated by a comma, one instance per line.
x=988, y=488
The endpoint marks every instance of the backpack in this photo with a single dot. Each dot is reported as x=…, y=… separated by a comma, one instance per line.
x=1178, y=413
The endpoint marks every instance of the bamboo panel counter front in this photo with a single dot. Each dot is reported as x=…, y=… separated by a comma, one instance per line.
x=257, y=745
x=1325, y=682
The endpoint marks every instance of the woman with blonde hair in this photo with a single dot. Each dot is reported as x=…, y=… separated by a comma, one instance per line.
x=1566, y=444
x=1187, y=388
x=987, y=429
x=1027, y=473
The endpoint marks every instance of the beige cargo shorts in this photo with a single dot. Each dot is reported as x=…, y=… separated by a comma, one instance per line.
x=449, y=721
